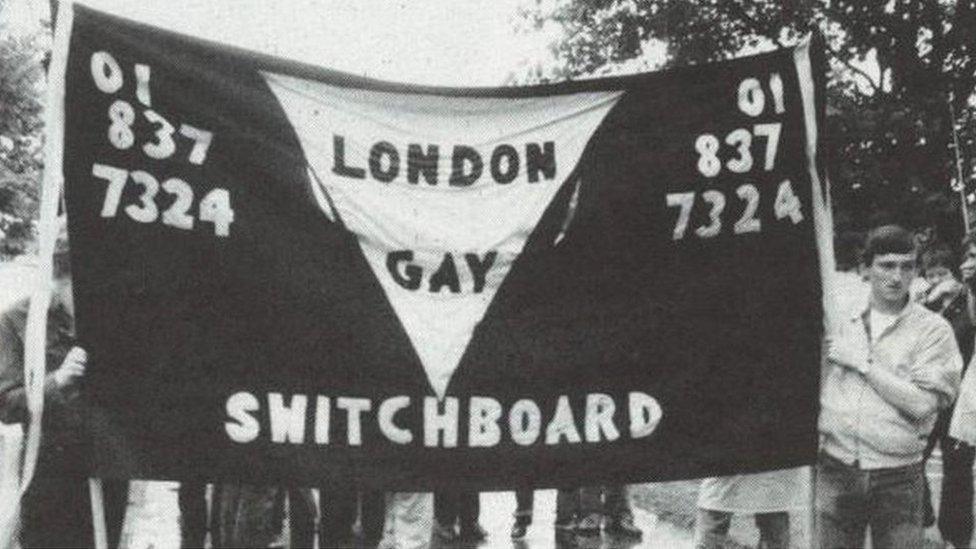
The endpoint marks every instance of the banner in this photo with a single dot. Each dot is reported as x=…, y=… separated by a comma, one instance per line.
x=284, y=273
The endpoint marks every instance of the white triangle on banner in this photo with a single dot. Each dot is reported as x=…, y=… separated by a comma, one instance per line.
x=442, y=192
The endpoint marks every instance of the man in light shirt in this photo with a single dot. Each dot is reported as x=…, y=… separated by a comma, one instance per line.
x=891, y=366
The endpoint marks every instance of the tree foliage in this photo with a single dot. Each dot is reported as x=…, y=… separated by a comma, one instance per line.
x=21, y=81
x=894, y=65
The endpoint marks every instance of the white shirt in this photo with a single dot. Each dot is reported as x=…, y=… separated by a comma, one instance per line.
x=880, y=322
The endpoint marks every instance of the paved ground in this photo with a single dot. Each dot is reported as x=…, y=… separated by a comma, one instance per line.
x=497, y=508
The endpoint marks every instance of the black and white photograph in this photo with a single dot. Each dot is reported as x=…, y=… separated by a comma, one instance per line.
x=519, y=274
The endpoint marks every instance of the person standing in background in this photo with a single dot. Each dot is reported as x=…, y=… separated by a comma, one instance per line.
x=56, y=509
x=457, y=516
x=949, y=297
x=769, y=496
x=340, y=506
x=409, y=520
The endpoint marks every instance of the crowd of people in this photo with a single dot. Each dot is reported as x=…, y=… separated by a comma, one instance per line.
x=893, y=388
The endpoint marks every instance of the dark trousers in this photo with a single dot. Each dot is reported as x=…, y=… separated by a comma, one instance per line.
x=956, y=500
x=524, y=502
x=252, y=516
x=56, y=512
x=850, y=499
x=301, y=516
x=341, y=506
x=956, y=508
x=712, y=529
x=193, y=514
x=457, y=507
x=608, y=501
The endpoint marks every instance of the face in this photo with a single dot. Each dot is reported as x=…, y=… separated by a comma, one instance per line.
x=890, y=276
x=968, y=267
x=936, y=275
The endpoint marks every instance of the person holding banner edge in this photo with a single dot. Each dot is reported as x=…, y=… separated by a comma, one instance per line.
x=56, y=510
x=891, y=366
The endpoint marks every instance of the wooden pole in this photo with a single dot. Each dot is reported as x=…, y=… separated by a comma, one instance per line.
x=814, y=522
x=98, y=513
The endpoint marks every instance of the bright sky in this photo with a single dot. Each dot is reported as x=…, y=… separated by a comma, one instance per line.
x=451, y=42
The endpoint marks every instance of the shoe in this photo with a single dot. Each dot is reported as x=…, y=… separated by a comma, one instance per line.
x=445, y=533
x=589, y=526
x=624, y=527
x=473, y=533
x=519, y=529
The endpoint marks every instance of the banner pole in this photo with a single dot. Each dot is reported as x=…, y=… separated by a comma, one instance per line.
x=814, y=523
x=35, y=332
x=98, y=512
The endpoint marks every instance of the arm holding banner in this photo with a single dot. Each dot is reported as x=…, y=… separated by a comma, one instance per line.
x=930, y=387
x=59, y=385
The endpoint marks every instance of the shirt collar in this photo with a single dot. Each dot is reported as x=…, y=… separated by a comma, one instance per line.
x=864, y=309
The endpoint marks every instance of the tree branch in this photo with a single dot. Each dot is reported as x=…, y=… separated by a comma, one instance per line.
x=836, y=54
x=736, y=11
x=876, y=86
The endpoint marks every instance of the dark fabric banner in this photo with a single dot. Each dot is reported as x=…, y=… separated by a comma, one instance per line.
x=284, y=273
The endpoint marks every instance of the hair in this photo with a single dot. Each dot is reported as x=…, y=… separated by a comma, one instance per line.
x=888, y=239
x=939, y=256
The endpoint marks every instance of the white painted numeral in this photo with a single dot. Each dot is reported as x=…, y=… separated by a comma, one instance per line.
x=787, y=204
x=177, y=214
x=717, y=200
x=120, y=131
x=201, y=143
x=708, y=163
x=748, y=222
x=146, y=211
x=215, y=208
x=164, y=147
x=752, y=100
x=771, y=133
x=115, y=177
x=776, y=86
x=684, y=201
x=106, y=72
x=142, y=84
x=741, y=139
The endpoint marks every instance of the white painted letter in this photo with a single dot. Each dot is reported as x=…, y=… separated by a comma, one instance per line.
x=599, y=418
x=388, y=409
x=483, y=417
x=645, y=414
x=562, y=424
x=287, y=422
x=435, y=422
x=322, y=417
x=354, y=408
x=525, y=422
x=246, y=428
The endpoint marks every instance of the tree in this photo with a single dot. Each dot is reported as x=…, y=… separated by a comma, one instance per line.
x=894, y=65
x=21, y=85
